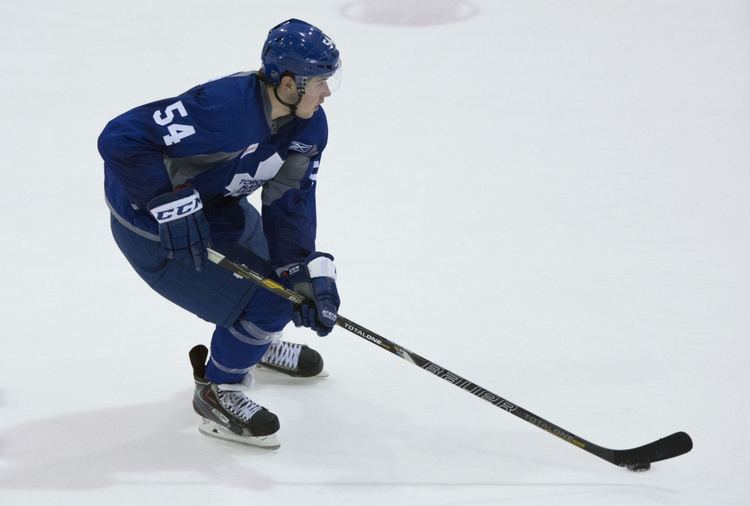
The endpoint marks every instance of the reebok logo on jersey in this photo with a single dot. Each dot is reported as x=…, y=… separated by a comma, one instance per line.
x=300, y=147
x=250, y=149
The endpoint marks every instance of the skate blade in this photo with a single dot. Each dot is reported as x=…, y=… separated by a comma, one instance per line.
x=279, y=372
x=214, y=430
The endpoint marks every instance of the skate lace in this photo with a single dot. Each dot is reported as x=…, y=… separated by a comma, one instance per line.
x=239, y=404
x=283, y=354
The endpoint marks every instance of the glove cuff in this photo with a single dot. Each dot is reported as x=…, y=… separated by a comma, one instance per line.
x=173, y=206
x=321, y=267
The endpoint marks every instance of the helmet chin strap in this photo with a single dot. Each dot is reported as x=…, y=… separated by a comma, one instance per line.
x=292, y=107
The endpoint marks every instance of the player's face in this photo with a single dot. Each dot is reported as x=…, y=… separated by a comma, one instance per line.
x=316, y=92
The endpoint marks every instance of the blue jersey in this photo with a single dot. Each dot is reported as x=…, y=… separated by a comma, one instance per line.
x=219, y=138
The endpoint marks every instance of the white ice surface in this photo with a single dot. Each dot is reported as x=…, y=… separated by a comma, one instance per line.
x=550, y=198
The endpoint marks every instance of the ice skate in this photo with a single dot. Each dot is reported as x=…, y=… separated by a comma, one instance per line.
x=227, y=412
x=292, y=359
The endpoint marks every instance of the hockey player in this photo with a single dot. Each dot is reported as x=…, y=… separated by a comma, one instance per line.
x=177, y=174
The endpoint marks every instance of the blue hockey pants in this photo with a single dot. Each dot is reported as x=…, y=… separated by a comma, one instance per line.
x=247, y=318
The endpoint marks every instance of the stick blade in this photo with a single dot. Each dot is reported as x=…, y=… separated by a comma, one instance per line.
x=662, y=449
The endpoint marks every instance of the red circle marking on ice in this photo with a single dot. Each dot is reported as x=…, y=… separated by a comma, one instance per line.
x=409, y=13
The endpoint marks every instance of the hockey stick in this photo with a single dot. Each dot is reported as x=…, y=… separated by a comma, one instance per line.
x=635, y=459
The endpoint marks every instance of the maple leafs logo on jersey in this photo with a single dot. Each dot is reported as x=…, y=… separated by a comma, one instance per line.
x=300, y=147
x=245, y=183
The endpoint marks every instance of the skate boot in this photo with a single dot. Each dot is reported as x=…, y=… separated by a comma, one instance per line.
x=293, y=359
x=227, y=413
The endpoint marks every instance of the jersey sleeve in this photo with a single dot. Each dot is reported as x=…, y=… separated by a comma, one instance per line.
x=130, y=147
x=289, y=209
x=289, y=214
x=135, y=144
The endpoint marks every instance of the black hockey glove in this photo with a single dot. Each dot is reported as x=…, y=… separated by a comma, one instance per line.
x=183, y=229
x=315, y=278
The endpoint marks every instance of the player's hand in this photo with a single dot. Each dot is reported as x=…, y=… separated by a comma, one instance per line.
x=183, y=229
x=315, y=278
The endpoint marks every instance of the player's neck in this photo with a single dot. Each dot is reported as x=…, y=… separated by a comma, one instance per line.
x=278, y=110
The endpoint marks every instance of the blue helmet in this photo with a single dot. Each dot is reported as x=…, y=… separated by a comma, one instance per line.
x=300, y=49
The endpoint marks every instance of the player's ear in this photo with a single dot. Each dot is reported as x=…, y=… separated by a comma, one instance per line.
x=287, y=83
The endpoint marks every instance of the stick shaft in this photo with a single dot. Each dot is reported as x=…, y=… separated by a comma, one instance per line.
x=668, y=447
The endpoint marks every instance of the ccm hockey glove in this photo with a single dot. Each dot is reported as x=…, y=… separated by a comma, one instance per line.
x=315, y=278
x=183, y=229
